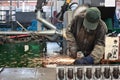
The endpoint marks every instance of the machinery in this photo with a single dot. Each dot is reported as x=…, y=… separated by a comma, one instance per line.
x=23, y=42
x=58, y=72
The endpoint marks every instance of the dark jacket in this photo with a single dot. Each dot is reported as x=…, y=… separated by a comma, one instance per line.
x=89, y=42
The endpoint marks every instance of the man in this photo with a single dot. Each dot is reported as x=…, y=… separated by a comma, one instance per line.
x=86, y=37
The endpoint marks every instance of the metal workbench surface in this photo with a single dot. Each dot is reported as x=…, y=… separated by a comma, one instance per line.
x=28, y=74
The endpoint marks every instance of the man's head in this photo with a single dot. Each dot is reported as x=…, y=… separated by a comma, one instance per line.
x=92, y=18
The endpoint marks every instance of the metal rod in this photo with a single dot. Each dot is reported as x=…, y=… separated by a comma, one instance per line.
x=21, y=25
x=51, y=26
x=26, y=29
x=47, y=32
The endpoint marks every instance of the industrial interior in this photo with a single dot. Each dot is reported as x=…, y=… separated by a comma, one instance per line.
x=33, y=43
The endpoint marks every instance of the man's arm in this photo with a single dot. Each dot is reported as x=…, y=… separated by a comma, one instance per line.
x=99, y=48
x=71, y=43
x=71, y=33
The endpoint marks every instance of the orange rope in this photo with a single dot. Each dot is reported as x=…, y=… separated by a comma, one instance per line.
x=68, y=1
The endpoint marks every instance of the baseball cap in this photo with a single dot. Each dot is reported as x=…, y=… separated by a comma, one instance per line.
x=92, y=18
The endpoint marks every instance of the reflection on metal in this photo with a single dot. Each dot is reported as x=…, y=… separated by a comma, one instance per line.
x=106, y=73
x=61, y=73
x=70, y=73
x=79, y=73
x=97, y=73
x=115, y=72
x=89, y=73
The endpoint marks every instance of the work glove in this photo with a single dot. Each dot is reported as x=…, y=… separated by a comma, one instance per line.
x=84, y=60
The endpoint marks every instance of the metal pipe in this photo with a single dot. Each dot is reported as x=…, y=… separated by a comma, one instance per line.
x=21, y=25
x=47, y=32
x=13, y=32
x=39, y=24
x=51, y=26
x=39, y=15
x=18, y=3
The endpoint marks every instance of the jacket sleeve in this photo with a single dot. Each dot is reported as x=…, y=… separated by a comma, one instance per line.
x=71, y=43
x=99, y=48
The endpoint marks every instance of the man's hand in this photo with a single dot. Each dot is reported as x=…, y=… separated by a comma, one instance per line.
x=84, y=60
x=73, y=52
x=80, y=54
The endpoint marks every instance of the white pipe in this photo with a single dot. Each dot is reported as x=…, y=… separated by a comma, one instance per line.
x=51, y=26
x=47, y=32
